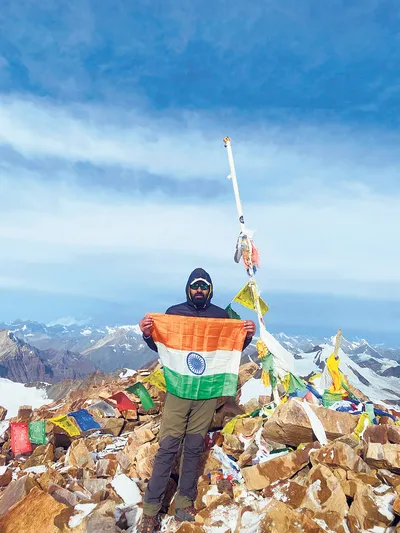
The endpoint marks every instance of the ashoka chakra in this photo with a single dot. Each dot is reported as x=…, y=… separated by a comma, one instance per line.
x=196, y=363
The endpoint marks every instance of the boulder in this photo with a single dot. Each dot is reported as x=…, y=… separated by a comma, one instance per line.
x=42, y=455
x=338, y=454
x=393, y=434
x=376, y=433
x=3, y=413
x=369, y=511
x=5, y=476
x=289, y=424
x=280, y=518
x=36, y=512
x=51, y=477
x=78, y=455
x=386, y=456
x=16, y=491
x=260, y=476
x=288, y=492
x=63, y=495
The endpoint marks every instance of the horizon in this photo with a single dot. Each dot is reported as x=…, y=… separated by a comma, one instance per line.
x=113, y=169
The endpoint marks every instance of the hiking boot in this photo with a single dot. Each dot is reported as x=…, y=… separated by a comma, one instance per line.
x=149, y=524
x=185, y=514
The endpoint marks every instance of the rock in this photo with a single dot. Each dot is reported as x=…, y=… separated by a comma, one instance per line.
x=388, y=477
x=280, y=518
x=51, y=477
x=78, y=455
x=203, y=515
x=94, y=485
x=289, y=424
x=246, y=372
x=376, y=434
x=224, y=486
x=143, y=434
x=260, y=476
x=41, y=456
x=99, y=523
x=338, y=454
x=63, y=495
x=130, y=414
x=248, y=426
x=228, y=410
x=36, y=512
x=3, y=459
x=393, y=434
x=325, y=498
x=25, y=413
x=202, y=490
x=369, y=511
x=5, y=476
x=289, y=492
x=396, y=506
x=123, y=460
x=385, y=456
x=3, y=413
x=232, y=446
x=189, y=527
x=247, y=456
x=112, y=425
x=106, y=467
x=15, y=492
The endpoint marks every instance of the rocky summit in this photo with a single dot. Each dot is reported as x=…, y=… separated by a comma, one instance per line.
x=295, y=467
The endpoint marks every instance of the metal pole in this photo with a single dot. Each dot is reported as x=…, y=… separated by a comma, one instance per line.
x=252, y=282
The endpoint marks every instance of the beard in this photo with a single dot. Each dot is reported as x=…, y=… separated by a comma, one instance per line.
x=199, y=300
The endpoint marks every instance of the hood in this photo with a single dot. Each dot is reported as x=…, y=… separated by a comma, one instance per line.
x=199, y=273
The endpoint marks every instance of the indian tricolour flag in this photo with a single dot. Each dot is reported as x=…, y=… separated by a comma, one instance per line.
x=200, y=356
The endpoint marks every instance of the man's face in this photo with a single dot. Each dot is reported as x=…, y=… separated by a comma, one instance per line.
x=199, y=291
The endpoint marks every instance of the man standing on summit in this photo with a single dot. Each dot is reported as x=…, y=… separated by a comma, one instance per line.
x=183, y=419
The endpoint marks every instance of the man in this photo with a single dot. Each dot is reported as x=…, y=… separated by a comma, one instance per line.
x=183, y=418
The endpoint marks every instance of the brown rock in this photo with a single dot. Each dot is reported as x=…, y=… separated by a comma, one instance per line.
x=246, y=372
x=112, y=425
x=3, y=413
x=130, y=414
x=252, y=405
x=106, y=467
x=247, y=456
x=98, y=522
x=325, y=498
x=41, y=456
x=385, y=456
x=202, y=490
x=62, y=495
x=143, y=434
x=227, y=409
x=94, y=485
x=25, y=413
x=124, y=460
x=369, y=510
x=15, y=492
x=190, y=527
x=338, y=454
x=224, y=486
x=289, y=492
x=78, y=455
x=260, y=476
x=376, y=433
x=280, y=518
x=3, y=459
x=5, y=476
x=209, y=463
x=36, y=512
x=232, y=446
x=204, y=515
x=389, y=478
x=248, y=426
x=51, y=477
x=289, y=424
x=393, y=434
x=396, y=506
x=368, y=479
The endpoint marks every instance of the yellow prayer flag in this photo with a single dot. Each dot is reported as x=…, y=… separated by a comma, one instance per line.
x=65, y=423
x=361, y=425
x=333, y=366
x=157, y=379
x=230, y=426
x=245, y=298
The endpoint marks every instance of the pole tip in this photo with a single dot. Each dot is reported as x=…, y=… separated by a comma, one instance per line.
x=226, y=140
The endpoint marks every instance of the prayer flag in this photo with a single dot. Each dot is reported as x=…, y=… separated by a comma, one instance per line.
x=65, y=423
x=37, y=432
x=85, y=420
x=20, y=438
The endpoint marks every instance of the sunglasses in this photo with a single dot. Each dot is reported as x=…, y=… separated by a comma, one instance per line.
x=199, y=285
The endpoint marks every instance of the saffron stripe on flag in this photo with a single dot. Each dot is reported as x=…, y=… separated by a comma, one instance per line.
x=198, y=334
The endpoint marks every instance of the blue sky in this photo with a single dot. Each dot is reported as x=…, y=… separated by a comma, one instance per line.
x=113, y=172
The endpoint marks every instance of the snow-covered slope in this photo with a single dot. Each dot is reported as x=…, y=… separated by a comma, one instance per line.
x=13, y=395
x=377, y=387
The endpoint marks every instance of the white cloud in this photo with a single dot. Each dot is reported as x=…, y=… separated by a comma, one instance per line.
x=319, y=225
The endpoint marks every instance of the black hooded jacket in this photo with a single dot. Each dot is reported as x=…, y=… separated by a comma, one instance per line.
x=188, y=308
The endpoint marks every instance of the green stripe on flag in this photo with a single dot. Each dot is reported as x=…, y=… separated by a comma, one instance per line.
x=200, y=387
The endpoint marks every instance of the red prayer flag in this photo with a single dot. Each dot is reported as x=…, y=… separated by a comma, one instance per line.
x=20, y=442
x=123, y=402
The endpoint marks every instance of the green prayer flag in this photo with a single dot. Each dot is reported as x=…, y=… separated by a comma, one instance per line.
x=37, y=432
x=232, y=313
x=140, y=390
x=295, y=384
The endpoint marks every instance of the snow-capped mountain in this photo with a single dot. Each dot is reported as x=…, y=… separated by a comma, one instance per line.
x=371, y=381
